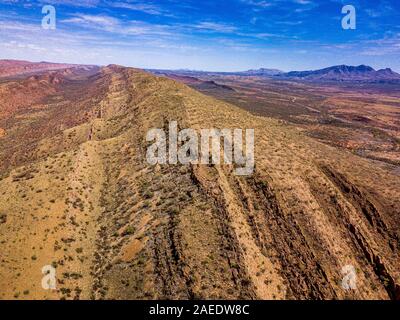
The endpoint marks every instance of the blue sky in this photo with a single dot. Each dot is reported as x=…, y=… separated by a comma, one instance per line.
x=201, y=34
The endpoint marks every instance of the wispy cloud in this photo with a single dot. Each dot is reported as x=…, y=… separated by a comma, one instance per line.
x=117, y=26
x=217, y=27
x=74, y=3
x=145, y=7
x=258, y=3
x=101, y=21
x=304, y=2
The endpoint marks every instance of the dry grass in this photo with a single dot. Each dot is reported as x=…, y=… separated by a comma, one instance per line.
x=82, y=198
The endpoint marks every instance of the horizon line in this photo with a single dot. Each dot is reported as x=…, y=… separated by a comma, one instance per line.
x=197, y=70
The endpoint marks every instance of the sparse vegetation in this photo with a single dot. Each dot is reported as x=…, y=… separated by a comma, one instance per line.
x=82, y=199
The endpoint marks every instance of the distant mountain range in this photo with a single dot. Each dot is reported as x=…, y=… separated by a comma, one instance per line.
x=263, y=72
x=10, y=68
x=345, y=73
x=336, y=73
x=341, y=73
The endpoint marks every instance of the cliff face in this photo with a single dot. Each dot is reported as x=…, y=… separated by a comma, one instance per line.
x=77, y=193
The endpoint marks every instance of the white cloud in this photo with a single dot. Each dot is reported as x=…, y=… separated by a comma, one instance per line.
x=93, y=20
x=117, y=26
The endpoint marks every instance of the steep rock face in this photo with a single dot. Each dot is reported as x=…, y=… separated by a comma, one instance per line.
x=78, y=194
